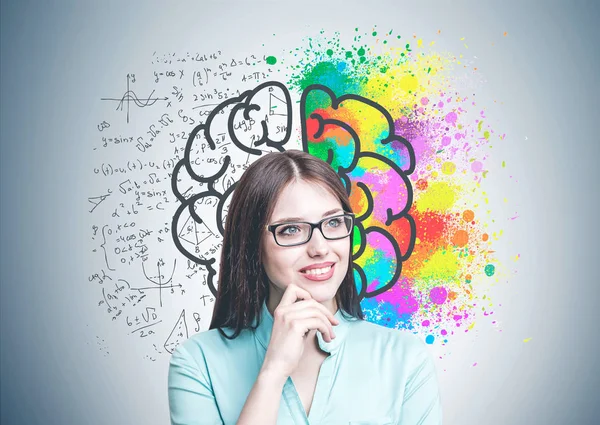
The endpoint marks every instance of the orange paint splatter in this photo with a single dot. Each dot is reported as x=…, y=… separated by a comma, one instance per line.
x=468, y=215
x=460, y=238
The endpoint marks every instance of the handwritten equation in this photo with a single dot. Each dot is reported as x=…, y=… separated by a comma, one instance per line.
x=165, y=159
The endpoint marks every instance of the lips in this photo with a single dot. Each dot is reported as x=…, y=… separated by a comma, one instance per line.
x=320, y=276
x=317, y=266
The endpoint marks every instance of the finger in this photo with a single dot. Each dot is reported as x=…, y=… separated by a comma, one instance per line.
x=292, y=317
x=313, y=304
x=302, y=326
x=292, y=294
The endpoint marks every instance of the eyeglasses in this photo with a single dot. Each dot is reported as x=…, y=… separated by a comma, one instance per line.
x=298, y=233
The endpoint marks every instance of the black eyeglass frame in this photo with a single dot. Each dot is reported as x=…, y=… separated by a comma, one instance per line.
x=272, y=227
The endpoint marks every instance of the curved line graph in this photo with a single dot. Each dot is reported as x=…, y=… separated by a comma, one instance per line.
x=130, y=96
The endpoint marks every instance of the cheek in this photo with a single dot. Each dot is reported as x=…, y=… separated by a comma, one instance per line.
x=343, y=248
x=280, y=264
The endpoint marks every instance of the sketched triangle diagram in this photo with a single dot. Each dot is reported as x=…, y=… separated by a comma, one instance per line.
x=277, y=106
x=194, y=233
x=178, y=334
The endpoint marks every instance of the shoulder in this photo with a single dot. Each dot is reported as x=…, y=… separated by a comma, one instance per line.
x=208, y=345
x=398, y=343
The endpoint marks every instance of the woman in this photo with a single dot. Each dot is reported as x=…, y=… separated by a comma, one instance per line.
x=287, y=343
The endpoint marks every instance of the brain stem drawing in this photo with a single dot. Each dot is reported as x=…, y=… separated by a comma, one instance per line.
x=351, y=133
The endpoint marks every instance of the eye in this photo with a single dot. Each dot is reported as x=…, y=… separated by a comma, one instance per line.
x=288, y=230
x=334, y=222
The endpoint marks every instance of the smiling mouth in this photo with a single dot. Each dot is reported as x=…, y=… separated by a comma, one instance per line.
x=317, y=272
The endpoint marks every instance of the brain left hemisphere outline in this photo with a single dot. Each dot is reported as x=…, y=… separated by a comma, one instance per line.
x=172, y=164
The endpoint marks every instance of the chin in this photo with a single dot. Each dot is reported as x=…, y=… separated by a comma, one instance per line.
x=321, y=293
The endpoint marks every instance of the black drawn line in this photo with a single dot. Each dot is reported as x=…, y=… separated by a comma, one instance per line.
x=130, y=96
x=158, y=287
x=159, y=282
x=206, y=104
x=101, y=199
x=144, y=327
x=344, y=171
x=273, y=105
x=263, y=102
x=197, y=319
x=248, y=106
x=192, y=227
x=178, y=334
x=104, y=249
x=105, y=300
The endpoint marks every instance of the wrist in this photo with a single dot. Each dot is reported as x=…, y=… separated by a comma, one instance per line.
x=272, y=376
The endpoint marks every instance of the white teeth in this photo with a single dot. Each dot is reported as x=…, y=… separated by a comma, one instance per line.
x=318, y=271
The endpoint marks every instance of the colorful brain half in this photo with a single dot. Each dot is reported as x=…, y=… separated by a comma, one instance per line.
x=356, y=137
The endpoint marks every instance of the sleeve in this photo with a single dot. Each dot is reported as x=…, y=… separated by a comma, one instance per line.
x=421, y=404
x=191, y=397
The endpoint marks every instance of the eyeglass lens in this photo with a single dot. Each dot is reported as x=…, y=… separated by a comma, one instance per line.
x=295, y=233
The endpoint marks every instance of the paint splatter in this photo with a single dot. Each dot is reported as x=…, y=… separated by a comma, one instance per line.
x=442, y=235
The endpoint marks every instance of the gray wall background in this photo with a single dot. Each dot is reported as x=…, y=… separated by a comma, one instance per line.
x=59, y=58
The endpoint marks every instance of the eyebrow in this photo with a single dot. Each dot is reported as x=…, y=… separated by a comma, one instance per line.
x=288, y=219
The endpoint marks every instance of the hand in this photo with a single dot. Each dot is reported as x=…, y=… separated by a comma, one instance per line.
x=293, y=321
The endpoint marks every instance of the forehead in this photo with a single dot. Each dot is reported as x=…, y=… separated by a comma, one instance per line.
x=306, y=200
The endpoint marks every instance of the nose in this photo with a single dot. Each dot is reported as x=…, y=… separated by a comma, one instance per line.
x=317, y=244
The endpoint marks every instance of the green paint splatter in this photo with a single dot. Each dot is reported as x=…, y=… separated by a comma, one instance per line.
x=374, y=33
x=328, y=74
x=490, y=269
x=361, y=51
x=271, y=60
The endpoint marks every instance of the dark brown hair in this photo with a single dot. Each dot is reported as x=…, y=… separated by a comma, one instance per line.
x=243, y=285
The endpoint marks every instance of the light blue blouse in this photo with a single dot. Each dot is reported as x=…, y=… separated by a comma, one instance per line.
x=373, y=376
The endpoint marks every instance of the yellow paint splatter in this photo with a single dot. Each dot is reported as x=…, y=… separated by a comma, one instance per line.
x=439, y=196
x=448, y=168
x=527, y=340
x=409, y=83
x=442, y=265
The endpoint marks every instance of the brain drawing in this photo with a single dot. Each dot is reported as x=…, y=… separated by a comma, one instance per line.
x=351, y=133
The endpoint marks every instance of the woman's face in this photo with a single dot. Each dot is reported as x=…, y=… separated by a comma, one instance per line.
x=305, y=201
